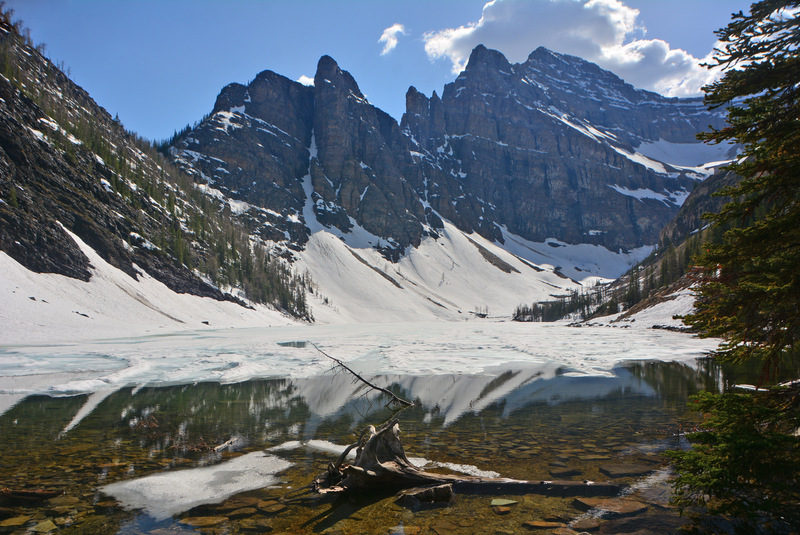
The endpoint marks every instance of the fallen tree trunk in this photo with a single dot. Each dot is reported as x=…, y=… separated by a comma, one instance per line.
x=381, y=463
x=27, y=495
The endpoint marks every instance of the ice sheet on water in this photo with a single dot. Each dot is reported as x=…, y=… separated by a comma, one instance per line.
x=164, y=495
x=486, y=349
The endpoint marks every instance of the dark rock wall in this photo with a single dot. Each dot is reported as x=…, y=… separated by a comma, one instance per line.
x=536, y=147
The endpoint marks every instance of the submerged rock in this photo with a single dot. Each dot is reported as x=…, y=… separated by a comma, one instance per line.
x=444, y=527
x=542, y=524
x=612, y=506
x=271, y=506
x=14, y=522
x=586, y=524
x=239, y=502
x=61, y=501
x=204, y=521
x=44, y=527
x=243, y=512
x=565, y=472
x=625, y=469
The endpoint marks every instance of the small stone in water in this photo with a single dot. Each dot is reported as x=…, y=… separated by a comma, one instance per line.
x=255, y=524
x=204, y=521
x=44, y=527
x=64, y=500
x=62, y=509
x=502, y=501
x=405, y=530
x=593, y=457
x=14, y=522
x=443, y=527
x=625, y=469
x=565, y=472
x=586, y=524
x=271, y=508
x=541, y=524
x=614, y=506
x=238, y=503
x=243, y=512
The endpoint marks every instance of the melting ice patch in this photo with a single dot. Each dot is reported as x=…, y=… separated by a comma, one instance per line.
x=164, y=495
x=421, y=348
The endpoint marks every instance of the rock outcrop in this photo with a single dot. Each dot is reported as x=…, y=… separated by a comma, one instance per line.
x=549, y=148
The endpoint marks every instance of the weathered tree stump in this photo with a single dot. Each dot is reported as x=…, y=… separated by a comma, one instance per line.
x=381, y=463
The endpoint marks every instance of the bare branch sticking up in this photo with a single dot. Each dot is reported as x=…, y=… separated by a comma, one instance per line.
x=357, y=376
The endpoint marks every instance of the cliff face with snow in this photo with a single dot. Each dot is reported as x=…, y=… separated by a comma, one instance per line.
x=551, y=148
x=557, y=147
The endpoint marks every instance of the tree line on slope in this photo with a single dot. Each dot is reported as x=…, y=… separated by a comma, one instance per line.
x=671, y=263
x=200, y=234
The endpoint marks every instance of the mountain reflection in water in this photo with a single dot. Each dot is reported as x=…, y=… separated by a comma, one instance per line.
x=523, y=422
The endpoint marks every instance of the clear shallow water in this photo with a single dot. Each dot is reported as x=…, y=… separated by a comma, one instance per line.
x=220, y=431
x=123, y=467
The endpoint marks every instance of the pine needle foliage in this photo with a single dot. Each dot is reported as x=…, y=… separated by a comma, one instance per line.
x=742, y=474
x=749, y=285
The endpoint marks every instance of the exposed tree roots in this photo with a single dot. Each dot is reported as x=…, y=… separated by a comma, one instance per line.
x=381, y=464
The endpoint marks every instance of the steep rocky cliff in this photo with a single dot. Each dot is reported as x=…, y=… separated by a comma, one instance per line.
x=554, y=147
x=305, y=156
x=551, y=148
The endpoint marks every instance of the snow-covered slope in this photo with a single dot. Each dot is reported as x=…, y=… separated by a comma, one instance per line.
x=450, y=277
x=48, y=308
x=664, y=313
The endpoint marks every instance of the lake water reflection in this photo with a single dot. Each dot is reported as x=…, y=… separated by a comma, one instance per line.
x=529, y=423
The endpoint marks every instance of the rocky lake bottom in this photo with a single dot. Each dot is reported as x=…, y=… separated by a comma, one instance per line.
x=236, y=458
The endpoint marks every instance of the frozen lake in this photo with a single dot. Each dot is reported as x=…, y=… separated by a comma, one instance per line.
x=124, y=430
x=234, y=355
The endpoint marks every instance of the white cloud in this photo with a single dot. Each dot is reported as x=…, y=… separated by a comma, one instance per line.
x=389, y=37
x=605, y=32
x=306, y=80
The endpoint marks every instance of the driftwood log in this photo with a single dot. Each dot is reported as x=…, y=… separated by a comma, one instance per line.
x=381, y=464
x=9, y=495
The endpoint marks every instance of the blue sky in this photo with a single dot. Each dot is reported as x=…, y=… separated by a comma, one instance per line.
x=160, y=64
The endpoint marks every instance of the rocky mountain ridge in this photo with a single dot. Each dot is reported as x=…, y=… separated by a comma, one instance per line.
x=551, y=148
x=67, y=168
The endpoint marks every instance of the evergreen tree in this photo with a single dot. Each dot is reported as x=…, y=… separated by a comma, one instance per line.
x=743, y=473
x=749, y=293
